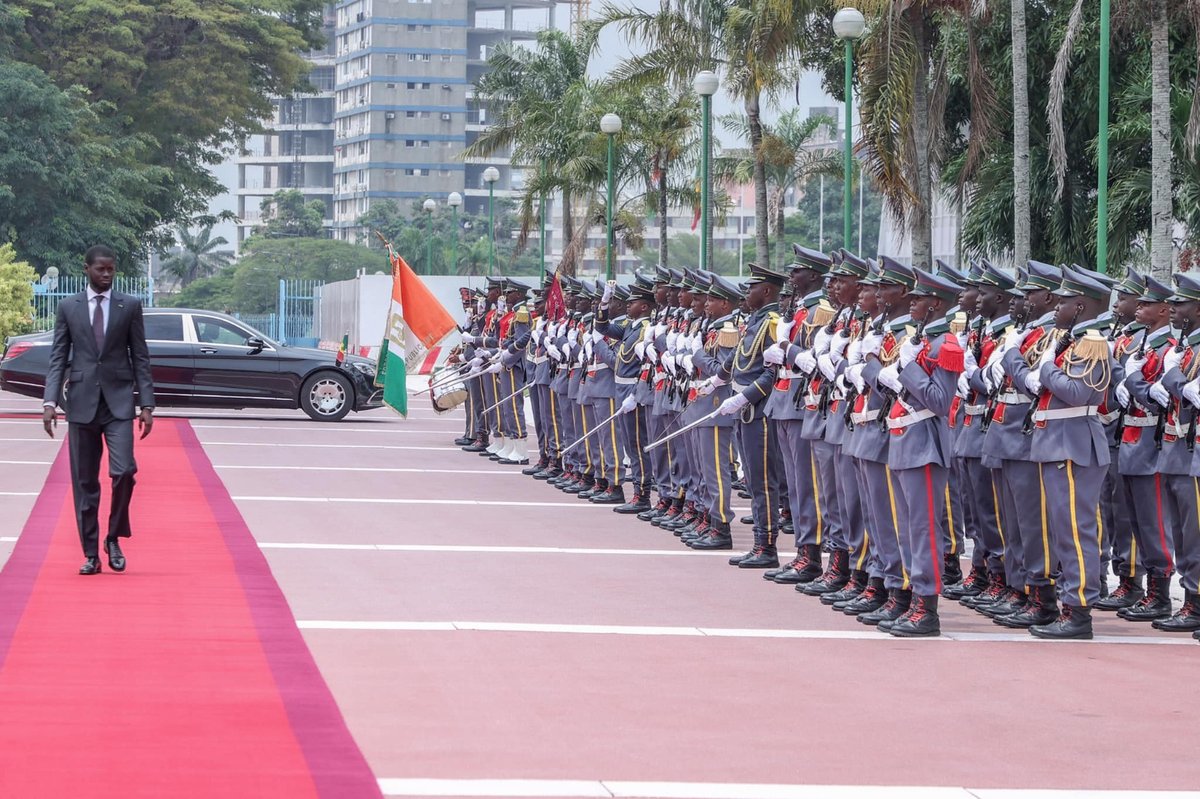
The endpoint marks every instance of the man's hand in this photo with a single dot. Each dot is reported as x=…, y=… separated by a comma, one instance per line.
x=145, y=422
x=773, y=355
x=733, y=405
x=1159, y=394
x=49, y=419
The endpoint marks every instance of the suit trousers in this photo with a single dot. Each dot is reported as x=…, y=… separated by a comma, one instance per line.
x=660, y=473
x=1026, y=534
x=987, y=510
x=1073, y=494
x=883, y=517
x=967, y=515
x=761, y=464
x=713, y=445
x=800, y=475
x=633, y=437
x=956, y=507
x=1119, y=543
x=1150, y=524
x=853, y=523
x=548, y=410
x=86, y=443
x=832, y=515
x=921, y=497
x=512, y=409
x=866, y=557
x=489, y=385
x=609, y=466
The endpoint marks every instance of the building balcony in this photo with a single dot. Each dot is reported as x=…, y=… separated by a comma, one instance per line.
x=250, y=158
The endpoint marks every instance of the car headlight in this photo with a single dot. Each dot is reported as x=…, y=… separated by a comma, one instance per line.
x=366, y=368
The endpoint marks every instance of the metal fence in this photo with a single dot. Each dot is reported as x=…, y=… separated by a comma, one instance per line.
x=46, y=296
x=298, y=301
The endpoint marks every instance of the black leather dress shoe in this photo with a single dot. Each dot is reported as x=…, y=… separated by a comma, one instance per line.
x=90, y=566
x=464, y=441
x=116, y=558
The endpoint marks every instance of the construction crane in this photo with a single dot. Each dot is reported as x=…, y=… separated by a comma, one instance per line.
x=580, y=10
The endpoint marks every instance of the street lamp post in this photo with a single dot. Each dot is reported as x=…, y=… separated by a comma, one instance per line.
x=429, y=206
x=848, y=25
x=705, y=85
x=454, y=201
x=490, y=176
x=610, y=124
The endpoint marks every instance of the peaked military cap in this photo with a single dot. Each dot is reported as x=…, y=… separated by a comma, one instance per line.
x=763, y=274
x=1041, y=276
x=1022, y=279
x=743, y=288
x=662, y=275
x=621, y=293
x=991, y=276
x=495, y=282
x=1096, y=276
x=950, y=273
x=512, y=284
x=676, y=278
x=1078, y=283
x=724, y=289
x=804, y=258
x=892, y=272
x=693, y=281
x=1133, y=283
x=931, y=285
x=976, y=271
x=641, y=290
x=1154, y=291
x=849, y=265
x=1187, y=287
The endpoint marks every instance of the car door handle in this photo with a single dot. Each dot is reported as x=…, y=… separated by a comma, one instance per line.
x=207, y=351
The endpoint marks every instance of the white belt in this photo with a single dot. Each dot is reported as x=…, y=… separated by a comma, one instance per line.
x=910, y=419
x=865, y=416
x=596, y=367
x=659, y=377
x=540, y=358
x=1051, y=414
x=1110, y=417
x=974, y=410
x=1140, y=421
x=626, y=381
x=1014, y=398
x=1174, y=430
x=790, y=374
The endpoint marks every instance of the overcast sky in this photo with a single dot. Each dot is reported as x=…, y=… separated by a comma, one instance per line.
x=612, y=49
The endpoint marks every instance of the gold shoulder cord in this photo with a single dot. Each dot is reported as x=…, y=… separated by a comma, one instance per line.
x=1082, y=358
x=1035, y=353
x=742, y=356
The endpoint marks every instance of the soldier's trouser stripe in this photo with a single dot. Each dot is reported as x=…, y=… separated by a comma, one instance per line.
x=638, y=424
x=496, y=393
x=1046, y=569
x=766, y=482
x=1133, y=556
x=1162, y=526
x=587, y=442
x=518, y=415
x=719, y=467
x=812, y=462
x=997, y=510
x=1075, y=533
x=554, y=425
x=896, y=524
x=950, y=522
x=933, y=529
x=615, y=466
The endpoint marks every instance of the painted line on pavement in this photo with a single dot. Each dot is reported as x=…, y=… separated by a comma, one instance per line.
x=7, y=539
x=389, y=501
x=18, y=493
x=490, y=549
x=621, y=789
x=26, y=463
x=362, y=469
x=42, y=437
x=446, y=448
x=377, y=428
x=718, y=632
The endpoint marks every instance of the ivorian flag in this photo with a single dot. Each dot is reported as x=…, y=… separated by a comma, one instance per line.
x=416, y=323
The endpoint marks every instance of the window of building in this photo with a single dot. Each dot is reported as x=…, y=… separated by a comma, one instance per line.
x=447, y=58
x=410, y=142
x=416, y=172
x=424, y=142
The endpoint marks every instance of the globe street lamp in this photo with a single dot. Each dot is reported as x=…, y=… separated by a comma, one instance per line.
x=705, y=84
x=610, y=125
x=848, y=25
x=490, y=176
x=429, y=206
x=454, y=201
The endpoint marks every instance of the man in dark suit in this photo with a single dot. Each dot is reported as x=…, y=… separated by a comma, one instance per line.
x=100, y=340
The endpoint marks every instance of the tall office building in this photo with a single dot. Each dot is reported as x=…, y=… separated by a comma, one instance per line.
x=404, y=105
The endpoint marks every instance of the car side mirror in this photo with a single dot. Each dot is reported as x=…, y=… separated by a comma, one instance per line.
x=255, y=344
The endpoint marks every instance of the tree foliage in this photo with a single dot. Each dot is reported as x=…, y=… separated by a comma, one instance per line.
x=197, y=255
x=286, y=214
x=16, y=294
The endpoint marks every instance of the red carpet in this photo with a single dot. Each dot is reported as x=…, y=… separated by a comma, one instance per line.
x=183, y=677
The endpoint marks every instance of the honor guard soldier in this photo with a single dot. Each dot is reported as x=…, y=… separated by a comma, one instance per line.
x=515, y=328
x=651, y=390
x=1068, y=440
x=537, y=373
x=488, y=324
x=752, y=381
x=924, y=379
x=1181, y=490
x=1141, y=445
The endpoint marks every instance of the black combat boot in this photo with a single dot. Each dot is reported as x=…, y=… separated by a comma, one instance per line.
x=870, y=600
x=835, y=577
x=552, y=471
x=974, y=585
x=1187, y=620
x=1128, y=592
x=583, y=482
x=763, y=556
x=639, y=503
x=951, y=570
x=463, y=441
x=696, y=530
x=1013, y=601
x=804, y=568
x=598, y=487
x=658, y=510
x=921, y=621
x=1072, y=623
x=716, y=537
x=997, y=589
x=898, y=600
x=1041, y=609
x=541, y=464
x=673, y=513
x=480, y=444
x=682, y=520
x=689, y=530
x=611, y=495
x=853, y=587
x=1156, y=604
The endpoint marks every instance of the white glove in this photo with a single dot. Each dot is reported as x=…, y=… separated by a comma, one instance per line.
x=784, y=330
x=909, y=351
x=467, y=338
x=826, y=365
x=706, y=387
x=639, y=350
x=494, y=368
x=672, y=338
x=628, y=404
x=696, y=343
x=890, y=377
x=1033, y=383
x=573, y=336
x=476, y=362
x=971, y=364
x=821, y=341
x=481, y=305
x=587, y=349
x=596, y=336
x=1191, y=392
x=608, y=292
x=659, y=329
x=994, y=373
x=1160, y=394
x=964, y=385
x=1122, y=394
x=1047, y=357
x=651, y=352
x=838, y=344
x=805, y=361
x=668, y=361
x=854, y=375
x=685, y=363
x=1134, y=364
x=1012, y=339
x=501, y=306
x=1172, y=359
x=553, y=351
x=734, y=404
x=773, y=355
x=872, y=343
x=854, y=353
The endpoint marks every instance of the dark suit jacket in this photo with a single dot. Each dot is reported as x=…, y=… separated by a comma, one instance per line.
x=122, y=367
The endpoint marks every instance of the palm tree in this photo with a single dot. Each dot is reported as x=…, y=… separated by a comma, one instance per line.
x=1161, y=216
x=197, y=257
x=1020, y=84
x=791, y=159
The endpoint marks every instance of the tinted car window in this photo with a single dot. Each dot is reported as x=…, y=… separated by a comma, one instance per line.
x=164, y=327
x=218, y=331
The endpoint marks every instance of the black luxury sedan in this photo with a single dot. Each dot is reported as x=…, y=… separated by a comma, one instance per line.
x=205, y=359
